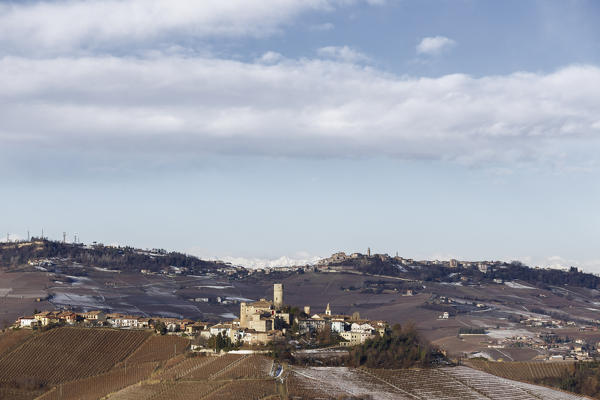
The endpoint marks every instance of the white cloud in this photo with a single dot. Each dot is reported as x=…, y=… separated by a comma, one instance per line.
x=434, y=45
x=270, y=57
x=65, y=25
x=187, y=106
x=342, y=53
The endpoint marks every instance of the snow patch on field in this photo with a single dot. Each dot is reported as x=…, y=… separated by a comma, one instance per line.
x=105, y=269
x=214, y=287
x=78, y=300
x=516, y=285
x=335, y=379
x=508, y=333
x=78, y=280
x=238, y=298
x=482, y=354
x=229, y=316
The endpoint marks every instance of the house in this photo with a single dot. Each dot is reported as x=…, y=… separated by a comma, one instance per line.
x=312, y=324
x=125, y=321
x=223, y=329
x=193, y=329
x=27, y=322
x=94, y=316
x=352, y=338
x=144, y=322
x=338, y=325
x=46, y=318
x=68, y=316
x=362, y=327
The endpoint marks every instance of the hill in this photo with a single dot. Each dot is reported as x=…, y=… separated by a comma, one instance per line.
x=478, y=272
x=89, y=364
x=50, y=255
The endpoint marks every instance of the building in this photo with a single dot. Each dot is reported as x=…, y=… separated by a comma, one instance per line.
x=278, y=296
x=68, y=317
x=94, y=316
x=261, y=315
x=46, y=318
x=27, y=322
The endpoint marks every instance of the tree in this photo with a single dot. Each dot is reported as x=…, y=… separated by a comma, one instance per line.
x=161, y=327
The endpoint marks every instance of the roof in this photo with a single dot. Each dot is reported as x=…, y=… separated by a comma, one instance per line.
x=262, y=303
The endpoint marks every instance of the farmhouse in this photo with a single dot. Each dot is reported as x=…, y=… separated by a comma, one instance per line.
x=94, y=316
x=27, y=322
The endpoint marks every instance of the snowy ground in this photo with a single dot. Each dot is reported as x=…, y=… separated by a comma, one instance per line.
x=431, y=384
x=508, y=333
x=516, y=285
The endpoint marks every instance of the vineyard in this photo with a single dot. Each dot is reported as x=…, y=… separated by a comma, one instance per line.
x=524, y=371
x=88, y=364
x=225, y=377
x=215, y=366
x=252, y=367
x=66, y=354
x=159, y=348
x=11, y=339
x=245, y=389
x=99, y=386
x=427, y=384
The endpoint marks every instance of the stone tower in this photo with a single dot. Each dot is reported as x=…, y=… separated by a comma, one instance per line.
x=243, y=315
x=278, y=295
x=328, y=310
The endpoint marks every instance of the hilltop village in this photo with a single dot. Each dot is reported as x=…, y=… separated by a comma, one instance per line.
x=260, y=323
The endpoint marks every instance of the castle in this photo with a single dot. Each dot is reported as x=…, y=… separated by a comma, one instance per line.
x=262, y=315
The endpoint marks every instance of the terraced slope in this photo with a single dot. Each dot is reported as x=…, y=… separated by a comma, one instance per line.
x=427, y=384
x=66, y=354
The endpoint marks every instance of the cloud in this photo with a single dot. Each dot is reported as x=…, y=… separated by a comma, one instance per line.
x=342, y=53
x=434, y=45
x=108, y=110
x=327, y=26
x=62, y=26
x=270, y=57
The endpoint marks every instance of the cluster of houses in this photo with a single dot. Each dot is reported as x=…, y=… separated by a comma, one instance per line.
x=114, y=320
x=260, y=322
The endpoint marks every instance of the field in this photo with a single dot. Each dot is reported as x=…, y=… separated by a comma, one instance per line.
x=524, y=371
x=11, y=339
x=89, y=364
x=98, y=386
x=159, y=348
x=441, y=383
x=66, y=354
x=225, y=377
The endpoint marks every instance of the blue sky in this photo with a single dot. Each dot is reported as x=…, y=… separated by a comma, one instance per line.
x=287, y=130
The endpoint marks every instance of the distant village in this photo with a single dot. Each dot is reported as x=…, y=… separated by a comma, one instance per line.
x=260, y=323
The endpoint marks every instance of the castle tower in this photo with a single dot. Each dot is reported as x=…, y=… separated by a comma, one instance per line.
x=328, y=310
x=278, y=295
x=243, y=315
x=368, y=252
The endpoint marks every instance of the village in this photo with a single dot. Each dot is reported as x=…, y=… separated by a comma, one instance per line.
x=260, y=323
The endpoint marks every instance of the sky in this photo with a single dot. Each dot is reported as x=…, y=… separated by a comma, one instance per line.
x=275, y=132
